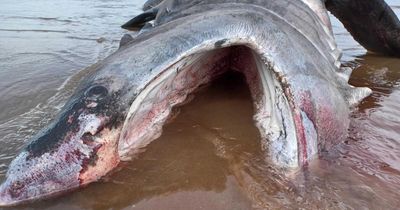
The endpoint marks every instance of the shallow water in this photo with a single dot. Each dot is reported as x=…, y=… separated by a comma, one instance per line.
x=209, y=156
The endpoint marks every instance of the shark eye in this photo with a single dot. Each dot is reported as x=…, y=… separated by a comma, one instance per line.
x=97, y=91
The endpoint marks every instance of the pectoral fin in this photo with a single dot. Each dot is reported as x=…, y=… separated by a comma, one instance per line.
x=372, y=23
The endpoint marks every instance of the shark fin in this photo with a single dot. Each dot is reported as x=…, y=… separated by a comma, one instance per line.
x=139, y=21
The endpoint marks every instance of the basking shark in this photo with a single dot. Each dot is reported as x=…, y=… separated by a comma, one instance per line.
x=285, y=49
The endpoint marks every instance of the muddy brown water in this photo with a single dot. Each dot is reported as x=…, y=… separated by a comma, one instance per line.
x=209, y=155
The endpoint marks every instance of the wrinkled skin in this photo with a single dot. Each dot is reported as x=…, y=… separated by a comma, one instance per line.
x=285, y=49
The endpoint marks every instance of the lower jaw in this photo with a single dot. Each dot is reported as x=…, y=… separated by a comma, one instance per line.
x=273, y=114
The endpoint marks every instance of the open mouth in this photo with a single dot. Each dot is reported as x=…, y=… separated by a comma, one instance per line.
x=273, y=113
x=289, y=119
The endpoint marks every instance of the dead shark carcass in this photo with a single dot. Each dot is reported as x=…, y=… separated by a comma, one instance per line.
x=285, y=49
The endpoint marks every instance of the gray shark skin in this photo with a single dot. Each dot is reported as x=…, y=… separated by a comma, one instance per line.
x=285, y=50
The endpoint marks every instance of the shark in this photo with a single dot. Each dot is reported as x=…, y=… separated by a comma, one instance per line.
x=285, y=49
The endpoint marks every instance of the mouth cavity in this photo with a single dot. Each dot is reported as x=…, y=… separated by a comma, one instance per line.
x=273, y=111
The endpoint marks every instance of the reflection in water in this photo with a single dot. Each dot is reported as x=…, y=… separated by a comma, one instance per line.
x=209, y=155
x=379, y=73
